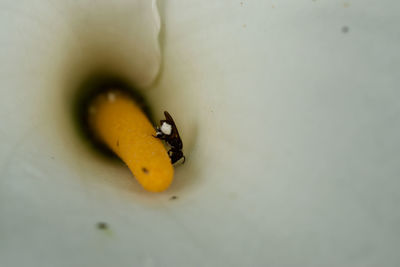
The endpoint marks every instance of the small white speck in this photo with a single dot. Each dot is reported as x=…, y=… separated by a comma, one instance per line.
x=111, y=97
x=92, y=110
x=166, y=128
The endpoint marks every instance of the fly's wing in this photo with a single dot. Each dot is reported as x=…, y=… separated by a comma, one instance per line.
x=171, y=122
x=168, y=119
x=175, y=139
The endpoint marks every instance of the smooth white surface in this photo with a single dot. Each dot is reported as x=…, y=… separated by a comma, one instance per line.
x=309, y=177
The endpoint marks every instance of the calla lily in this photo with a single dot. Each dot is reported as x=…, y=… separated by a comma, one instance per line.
x=288, y=112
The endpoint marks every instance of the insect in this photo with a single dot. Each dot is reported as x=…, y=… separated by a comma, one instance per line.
x=168, y=132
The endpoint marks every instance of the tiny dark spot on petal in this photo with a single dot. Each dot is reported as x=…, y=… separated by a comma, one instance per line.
x=345, y=29
x=117, y=143
x=102, y=225
x=173, y=198
x=145, y=170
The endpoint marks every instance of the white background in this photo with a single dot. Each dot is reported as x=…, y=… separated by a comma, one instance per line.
x=291, y=129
